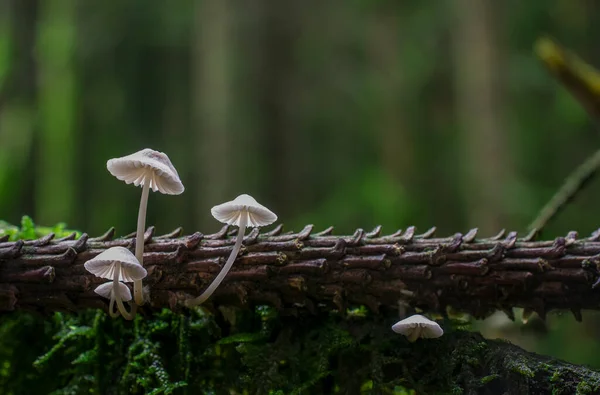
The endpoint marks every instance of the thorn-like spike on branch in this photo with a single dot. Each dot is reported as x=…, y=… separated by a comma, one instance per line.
x=274, y=232
x=148, y=234
x=175, y=233
x=428, y=233
x=68, y=256
x=498, y=236
x=510, y=240
x=252, y=236
x=339, y=248
x=305, y=233
x=571, y=238
x=595, y=236
x=13, y=251
x=81, y=243
x=108, y=235
x=357, y=237
x=454, y=244
x=219, y=235
x=70, y=236
x=495, y=253
x=395, y=234
x=326, y=232
x=470, y=236
x=408, y=235
x=374, y=233
x=42, y=241
x=193, y=240
x=533, y=233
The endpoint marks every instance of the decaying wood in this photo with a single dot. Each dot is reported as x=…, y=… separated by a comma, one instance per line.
x=316, y=271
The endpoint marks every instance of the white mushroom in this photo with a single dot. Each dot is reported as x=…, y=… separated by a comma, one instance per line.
x=243, y=211
x=149, y=169
x=118, y=264
x=106, y=290
x=417, y=326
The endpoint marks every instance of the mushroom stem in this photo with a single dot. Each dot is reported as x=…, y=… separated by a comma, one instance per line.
x=217, y=281
x=115, y=292
x=113, y=313
x=415, y=334
x=139, y=241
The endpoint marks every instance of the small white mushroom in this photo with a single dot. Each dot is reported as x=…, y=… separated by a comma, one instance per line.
x=106, y=290
x=243, y=211
x=117, y=264
x=149, y=169
x=417, y=326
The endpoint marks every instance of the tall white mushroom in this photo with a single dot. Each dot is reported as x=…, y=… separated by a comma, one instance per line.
x=417, y=326
x=106, y=290
x=243, y=211
x=149, y=169
x=117, y=264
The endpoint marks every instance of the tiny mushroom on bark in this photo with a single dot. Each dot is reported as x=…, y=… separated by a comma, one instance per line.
x=417, y=326
x=149, y=169
x=118, y=264
x=106, y=290
x=243, y=211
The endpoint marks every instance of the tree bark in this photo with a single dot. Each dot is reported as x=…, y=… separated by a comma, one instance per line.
x=319, y=271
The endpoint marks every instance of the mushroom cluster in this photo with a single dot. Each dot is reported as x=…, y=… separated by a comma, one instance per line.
x=151, y=169
x=119, y=265
x=148, y=169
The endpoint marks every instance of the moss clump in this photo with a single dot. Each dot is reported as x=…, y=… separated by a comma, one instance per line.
x=29, y=231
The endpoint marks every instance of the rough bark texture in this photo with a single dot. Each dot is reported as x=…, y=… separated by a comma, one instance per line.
x=318, y=271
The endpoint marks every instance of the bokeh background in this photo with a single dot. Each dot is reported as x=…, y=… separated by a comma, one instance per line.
x=348, y=113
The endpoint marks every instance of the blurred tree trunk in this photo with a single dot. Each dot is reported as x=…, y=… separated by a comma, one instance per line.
x=17, y=96
x=176, y=122
x=281, y=93
x=395, y=140
x=216, y=148
x=479, y=70
x=57, y=91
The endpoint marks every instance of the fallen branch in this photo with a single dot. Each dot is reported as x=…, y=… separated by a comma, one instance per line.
x=319, y=271
x=571, y=186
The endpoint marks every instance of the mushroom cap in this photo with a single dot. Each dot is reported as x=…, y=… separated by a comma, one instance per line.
x=103, y=265
x=231, y=212
x=105, y=289
x=429, y=329
x=145, y=166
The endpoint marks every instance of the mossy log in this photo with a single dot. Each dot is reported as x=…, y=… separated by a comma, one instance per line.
x=474, y=365
x=319, y=271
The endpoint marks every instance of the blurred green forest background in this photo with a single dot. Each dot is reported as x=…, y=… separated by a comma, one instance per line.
x=346, y=113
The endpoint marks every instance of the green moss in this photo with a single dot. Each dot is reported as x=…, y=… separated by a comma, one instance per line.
x=584, y=388
x=29, y=230
x=555, y=376
x=521, y=368
x=487, y=379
